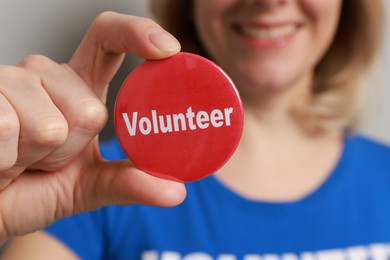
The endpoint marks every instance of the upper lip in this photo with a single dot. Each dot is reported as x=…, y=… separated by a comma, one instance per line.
x=266, y=30
x=265, y=23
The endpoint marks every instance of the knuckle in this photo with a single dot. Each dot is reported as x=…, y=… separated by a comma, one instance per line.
x=103, y=18
x=35, y=62
x=141, y=25
x=145, y=20
x=106, y=15
x=132, y=23
x=50, y=132
x=9, y=132
x=11, y=73
x=91, y=116
x=9, y=127
x=12, y=76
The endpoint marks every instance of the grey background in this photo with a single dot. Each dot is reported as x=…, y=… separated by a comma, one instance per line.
x=55, y=27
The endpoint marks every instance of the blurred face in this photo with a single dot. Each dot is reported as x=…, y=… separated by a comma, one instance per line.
x=267, y=44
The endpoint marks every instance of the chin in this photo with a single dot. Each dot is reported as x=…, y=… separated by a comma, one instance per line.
x=271, y=76
x=261, y=85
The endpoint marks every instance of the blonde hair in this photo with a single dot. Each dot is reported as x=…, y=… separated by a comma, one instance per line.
x=338, y=74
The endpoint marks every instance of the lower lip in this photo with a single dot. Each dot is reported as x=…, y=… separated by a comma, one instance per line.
x=269, y=43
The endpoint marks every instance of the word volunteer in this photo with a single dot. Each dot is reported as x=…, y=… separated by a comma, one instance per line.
x=177, y=122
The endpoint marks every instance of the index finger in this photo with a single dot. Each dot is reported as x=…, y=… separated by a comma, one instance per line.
x=110, y=36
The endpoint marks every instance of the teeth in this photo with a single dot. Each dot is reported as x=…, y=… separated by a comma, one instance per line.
x=268, y=33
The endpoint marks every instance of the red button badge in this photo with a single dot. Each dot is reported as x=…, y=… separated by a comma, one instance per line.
x=180, y=118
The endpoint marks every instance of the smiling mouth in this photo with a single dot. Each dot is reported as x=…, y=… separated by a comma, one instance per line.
x=261, y=35
x=266, y=32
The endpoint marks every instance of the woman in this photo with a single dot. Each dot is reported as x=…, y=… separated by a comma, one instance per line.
x=298, y=186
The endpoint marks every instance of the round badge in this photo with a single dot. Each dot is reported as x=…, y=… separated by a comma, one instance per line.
x=179, y=118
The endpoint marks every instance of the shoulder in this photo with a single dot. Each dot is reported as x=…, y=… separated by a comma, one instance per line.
x=369, y=149
x=369, y=157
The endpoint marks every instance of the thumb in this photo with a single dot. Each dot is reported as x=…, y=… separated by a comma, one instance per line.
x=120, y=183
x=109, y=37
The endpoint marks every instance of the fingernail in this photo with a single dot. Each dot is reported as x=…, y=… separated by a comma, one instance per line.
x=163, y=40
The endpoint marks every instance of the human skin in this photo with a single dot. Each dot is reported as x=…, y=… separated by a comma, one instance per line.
x=267, y=45
x=50, y=116
x=270, y=49
x=276, y=160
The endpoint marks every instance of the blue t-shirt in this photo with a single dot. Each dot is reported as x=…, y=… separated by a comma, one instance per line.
x=348, y=217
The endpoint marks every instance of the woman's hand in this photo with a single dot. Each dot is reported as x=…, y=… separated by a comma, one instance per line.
x=50, y=116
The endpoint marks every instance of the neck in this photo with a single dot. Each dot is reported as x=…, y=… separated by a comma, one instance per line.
x=276, y=158
x=273, y=106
